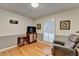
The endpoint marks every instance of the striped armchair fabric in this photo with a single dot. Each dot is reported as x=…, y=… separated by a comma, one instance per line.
x=68, y=49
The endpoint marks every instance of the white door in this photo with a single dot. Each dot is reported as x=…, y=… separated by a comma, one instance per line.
x=49, y=31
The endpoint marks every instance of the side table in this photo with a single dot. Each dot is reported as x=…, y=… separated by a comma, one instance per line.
x=21, y=40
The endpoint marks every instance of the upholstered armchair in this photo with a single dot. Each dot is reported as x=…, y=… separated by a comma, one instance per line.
x=67, y=48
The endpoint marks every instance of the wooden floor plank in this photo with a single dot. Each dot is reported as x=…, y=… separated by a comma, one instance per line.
x=34, y=49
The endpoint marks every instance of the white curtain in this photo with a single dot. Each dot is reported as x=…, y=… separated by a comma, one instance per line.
x=49, y=31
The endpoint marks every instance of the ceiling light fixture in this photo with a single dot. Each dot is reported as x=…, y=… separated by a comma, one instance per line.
x=35, y=5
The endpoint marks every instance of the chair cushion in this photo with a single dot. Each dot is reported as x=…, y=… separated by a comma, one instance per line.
x=74, y=38
x=69, y=44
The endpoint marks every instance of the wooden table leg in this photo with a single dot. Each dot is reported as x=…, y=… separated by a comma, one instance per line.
x=18, y=41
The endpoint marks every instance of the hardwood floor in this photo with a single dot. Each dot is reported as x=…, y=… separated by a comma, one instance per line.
x=34, y=49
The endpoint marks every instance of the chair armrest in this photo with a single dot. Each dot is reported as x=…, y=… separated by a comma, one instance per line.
x=77, y=51
x=59, y=42
x=63, y=51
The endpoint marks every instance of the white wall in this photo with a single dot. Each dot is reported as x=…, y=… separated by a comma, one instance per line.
x=72, y=15
x=42, y=21
x=13, y=29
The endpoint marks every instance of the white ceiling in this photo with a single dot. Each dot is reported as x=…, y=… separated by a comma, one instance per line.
x=44, y=9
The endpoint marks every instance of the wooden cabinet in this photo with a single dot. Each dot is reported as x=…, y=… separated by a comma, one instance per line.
x=32, y=37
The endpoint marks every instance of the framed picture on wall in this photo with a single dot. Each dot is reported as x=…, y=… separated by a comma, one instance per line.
x=13, y=21
x=65, y=25
x=38, y=26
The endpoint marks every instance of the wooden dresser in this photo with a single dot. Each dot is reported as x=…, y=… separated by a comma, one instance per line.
x=32, y=37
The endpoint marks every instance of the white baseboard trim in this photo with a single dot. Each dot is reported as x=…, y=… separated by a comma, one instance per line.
x=8, y=48
x=44, y=42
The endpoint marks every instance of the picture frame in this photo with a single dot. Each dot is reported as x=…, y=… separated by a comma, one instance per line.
x=38, y=26
x=13, y=21
x=65, y=25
